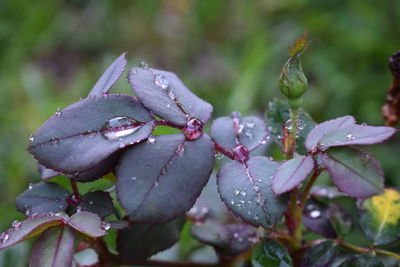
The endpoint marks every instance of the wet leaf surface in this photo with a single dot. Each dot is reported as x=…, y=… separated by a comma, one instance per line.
x=164, y=93
x=354, y=172
x=87, y=223
x=379, y=217
x=97, y=202
x=316, y=218
x=110, y=76
x=321, y=255
x=270, y=253
x=292, y=173
x=54, y=248
x=144, y=240
x=150, y=173
x=42, y=198
x=246, y=190
x=97, y=127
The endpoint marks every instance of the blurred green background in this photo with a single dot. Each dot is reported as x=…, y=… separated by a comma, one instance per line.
x=228, y=52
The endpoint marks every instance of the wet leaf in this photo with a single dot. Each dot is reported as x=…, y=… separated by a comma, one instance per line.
x=321, y=255
x=110, y=76
x=270, y=253
x=46, y=173
x=277, y=114
x=164, y=93
x=97, y=127
x=227, y=239
x=246, y=190
x=323, y=128
x=54, y=248
x=149, y=174
x=291, y=174
x=355, y=135
x=29, y=228
x=340, y=220
x=87, y=223
x=144, y=240
x=362, y=260
x=354, y=172
x=316, y=218
x=42, y=198
x=380, y=216
x=97, y=202
x=228, y=132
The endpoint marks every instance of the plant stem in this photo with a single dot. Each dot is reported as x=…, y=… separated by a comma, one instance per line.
x=367, y=250
x=387, y=253
x=75, y=189
x=308, y=187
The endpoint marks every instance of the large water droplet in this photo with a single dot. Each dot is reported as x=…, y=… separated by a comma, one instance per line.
x=58, y=112
x=288, y=124
x=31, y=138
x=105, y=225
x=143, y=64
x=16, y=224
x=151, y=140
x=30, y=186
x=161, y=81
x=301, y=125
x=193, y=129
x=315, y=214
x=119, y=127
x=219, y=156
x=240, y=153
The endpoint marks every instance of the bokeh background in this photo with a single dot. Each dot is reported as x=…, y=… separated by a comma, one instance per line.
x=228, y=52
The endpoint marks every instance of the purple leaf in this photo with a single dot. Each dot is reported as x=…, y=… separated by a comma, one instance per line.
x=87, y=223
x=321, y=129
x=29, y=228
x=227, y=239
x=316, y=218
x=292, y=173
x=164, y=93
x=144, y=240
x=97, y=202
x=246, y=190
x=110, y=76
x=356, y=135
x=42, y=198
x=54, y=248
x=229, y=132
x=158, y=181
x=46, y=173
x=354, y=172
x=89, y=131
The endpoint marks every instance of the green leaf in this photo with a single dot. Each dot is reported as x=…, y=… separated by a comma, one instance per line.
x=362, y=260
x=320, y=255
x=54, y=248
x=270, y=253
x=380, y=217
x=277, y=114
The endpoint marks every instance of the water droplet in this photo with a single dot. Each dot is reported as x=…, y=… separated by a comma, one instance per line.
x=151, y=139
x=180, y=149
x=168, y=105
x=301, y=125
x=219, y=156
x=236, y=191
x=243, y=193
x=143, y=64
x=90, y=202
x=240, y=153
x=156, y=183
x=119, y=127
x=28, y=211
x=315, y=214
x=4, y=237
x=364, y=123
x=263, y=142
x=349, y=136
x=240, y=239
x=250, y=125
x=256, y=217
x=171, y=94
x=105, y=225
x=16, y=224
x=78, y=209
x=121, y=145
x=31, y=138
x=193, y=129
x=232, y=202
x=288, y=124
x=133, y=178
x=249, y=212
x=236, y=235
x=30, y=186
x=161, y=81
x=241, y=128
x=53, y=141
x=248, y=134
x=58, y=112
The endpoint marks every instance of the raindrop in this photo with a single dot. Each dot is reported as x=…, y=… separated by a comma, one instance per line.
x=58, y=112
x=288, y=124
x=219, y=156
x=240, y=153
x=248, y=134
x=193, y=129
x=315, y=214
x=171, y=95
x=241, y=128
x=161, y=81
x=121, y=145
x=236, y=235
x=240, y=239
x=119, y=127
x=4, y=237
x=156, y=183
x=105, y=225
x=249, y=212
x=263, y=142
x=28, y=211
x=256, y=217
x=30, y=186
x=168, y=105
x=180, y=149
x=143, y=64
x=350, y=137
x=16, y=224
x=151, y=139
x=133, y=178
x=301, y=125
x=236, y=192
x=243, y=193
x=232, y=202
x=364, y=123
x=31, y=138
x=53, y=141
x=90, y=202
x=250, y=125
x=78, y=209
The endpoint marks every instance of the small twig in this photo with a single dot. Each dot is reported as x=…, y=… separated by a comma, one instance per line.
x=75, y=189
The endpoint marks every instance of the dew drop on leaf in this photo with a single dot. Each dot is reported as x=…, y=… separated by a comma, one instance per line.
x=31, y=138
x=315, y=214
x=143, y=64
x=119, y=127
x=161, y=81
x=30, y=186
x=151, y=140
x=240, y=153
x=16, y=224
x=105, y=225
x=219, y=156
x=301, y=125
x=4, y=237
x=53, y=141
x=193, y=129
